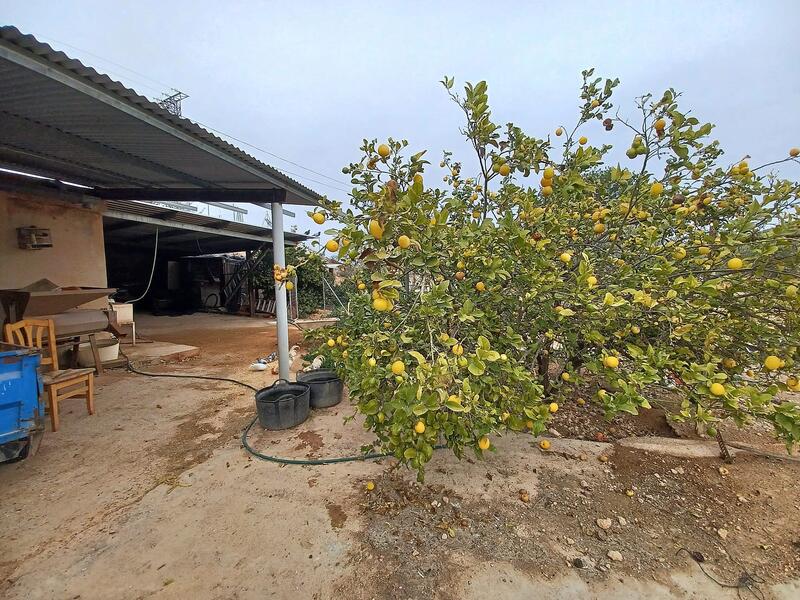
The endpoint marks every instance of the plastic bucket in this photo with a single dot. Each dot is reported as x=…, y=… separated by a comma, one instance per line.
x=326, y=387
x=283, y=404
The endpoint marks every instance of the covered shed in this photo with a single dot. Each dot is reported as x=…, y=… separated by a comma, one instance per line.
x=79, y=152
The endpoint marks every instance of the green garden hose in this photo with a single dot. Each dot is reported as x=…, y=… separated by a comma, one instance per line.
x=275, y=459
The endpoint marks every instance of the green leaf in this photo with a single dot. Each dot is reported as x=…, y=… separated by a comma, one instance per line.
x=418, y=356
x=476, y=367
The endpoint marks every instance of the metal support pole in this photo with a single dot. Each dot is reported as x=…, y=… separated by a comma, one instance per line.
x=282, y=322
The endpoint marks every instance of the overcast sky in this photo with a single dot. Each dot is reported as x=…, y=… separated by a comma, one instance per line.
x=309, y=80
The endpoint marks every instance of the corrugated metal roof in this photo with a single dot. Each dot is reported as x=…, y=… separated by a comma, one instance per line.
x=63, y=119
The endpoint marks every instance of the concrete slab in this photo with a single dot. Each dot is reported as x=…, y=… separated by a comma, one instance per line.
x=147, y=353
x=675, y=447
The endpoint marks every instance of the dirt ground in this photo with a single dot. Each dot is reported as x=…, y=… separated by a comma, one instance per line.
x=154, y=497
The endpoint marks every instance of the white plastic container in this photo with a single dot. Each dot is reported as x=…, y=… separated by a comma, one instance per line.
x=108, y=349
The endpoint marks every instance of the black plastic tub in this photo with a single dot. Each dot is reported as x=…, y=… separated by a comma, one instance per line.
x=326, y=387
x=283, y=404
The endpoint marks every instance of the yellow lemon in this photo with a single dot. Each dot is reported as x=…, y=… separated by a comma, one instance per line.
x=372, y=362
x=289, y=286
x=704, y=250
x=565, y=376
x=362, y=286
x=582, y=140
x=734, y=264
x=547, y=191
x=457, y=349
x=398, y=367
x=560, y=132
x=599, y=227
x=418, y=179
x=660, y=124
x=611, y=362
x=791, y=291
x=484, y=443
x=679, y=253
x=331, y=343
x=729, y=363
x=404, y=241
x=549, y=172
x=772, y=363
x=565, y=257
x=370, y=486
x=635, y=330
x=504, y=170
x=419, y=427
x=480, y=286
x=319, y=218
x=591, y=280
x=381, y=304
x=553, y=407
x=656, y=188
x=384, y=150
x=332, y=246
x=717, y=389
x=375, y=229
x=544, y=445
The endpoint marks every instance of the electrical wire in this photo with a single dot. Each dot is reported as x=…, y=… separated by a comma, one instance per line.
x=273, y=155
x=152, y=271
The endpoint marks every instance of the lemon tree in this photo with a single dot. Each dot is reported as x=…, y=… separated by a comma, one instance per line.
x=541, y=264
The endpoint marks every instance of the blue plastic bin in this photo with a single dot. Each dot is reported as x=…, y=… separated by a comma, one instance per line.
x=21, y=406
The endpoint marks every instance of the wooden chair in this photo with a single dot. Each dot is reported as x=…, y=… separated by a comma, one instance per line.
x=59, y=384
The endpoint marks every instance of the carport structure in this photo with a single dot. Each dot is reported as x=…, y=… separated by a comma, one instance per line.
x=89, y=139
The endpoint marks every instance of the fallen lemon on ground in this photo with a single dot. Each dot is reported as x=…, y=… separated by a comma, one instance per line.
x=717, y=389
x=544, y=445
x=370, y=486
x=419, y=427
x=772, y=363
x=611, y=362
x=404, y=241
x=553, y=407
x=484, y=443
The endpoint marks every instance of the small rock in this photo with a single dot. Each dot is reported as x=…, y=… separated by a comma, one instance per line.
x=554, y=432
x=604, y=523
x=582, y=562
x=723, y=471
x=622, y=521
x=585, y=484
x=570, y=541
x=614, y=555
x=723, y=533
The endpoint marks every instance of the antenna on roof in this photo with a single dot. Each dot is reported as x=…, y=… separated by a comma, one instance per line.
x=172, y=102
